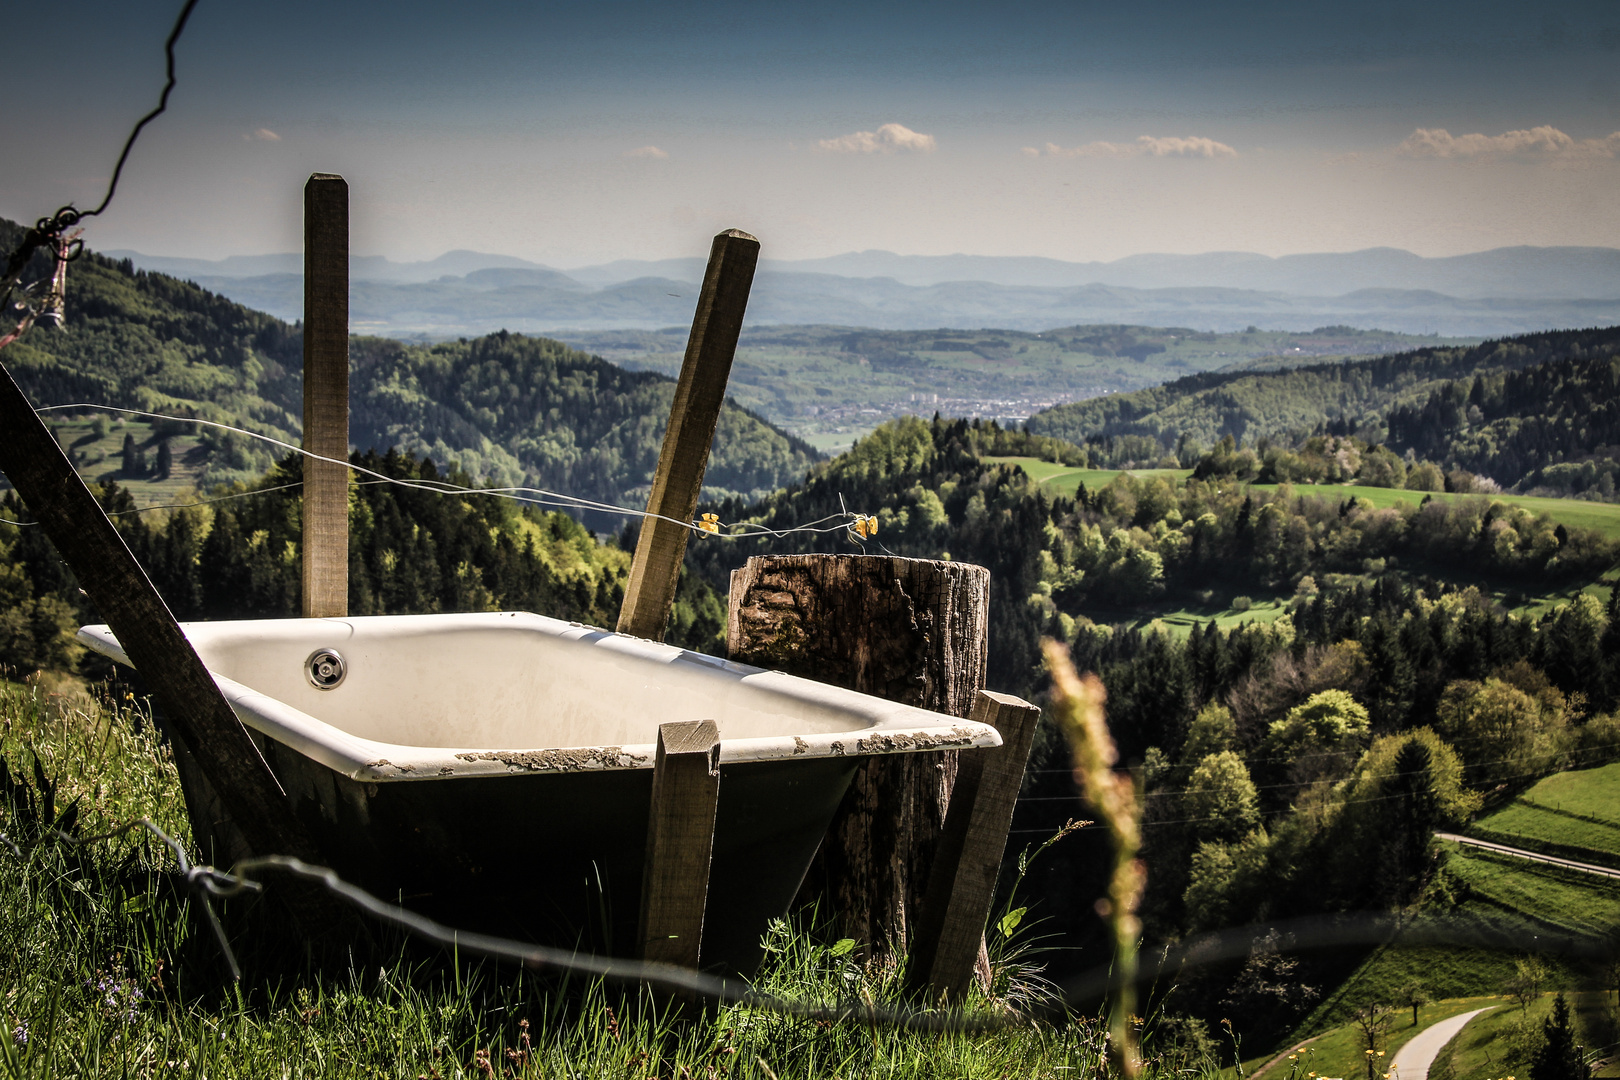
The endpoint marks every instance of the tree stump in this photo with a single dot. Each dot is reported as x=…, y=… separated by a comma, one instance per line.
x=910, y=630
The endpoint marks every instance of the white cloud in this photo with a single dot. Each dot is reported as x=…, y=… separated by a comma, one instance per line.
x=1193, y=146
x=1544, y=141
x=647, y=152
x=266, y=135
x=885, y=140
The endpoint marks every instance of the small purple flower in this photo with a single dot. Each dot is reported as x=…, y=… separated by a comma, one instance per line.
x=19, y=1034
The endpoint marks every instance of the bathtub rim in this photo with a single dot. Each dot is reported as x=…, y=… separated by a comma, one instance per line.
x=894, y=727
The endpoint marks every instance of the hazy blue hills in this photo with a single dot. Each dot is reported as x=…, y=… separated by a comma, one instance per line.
x=462, y=293
x=539, y=301
x=1528, y=272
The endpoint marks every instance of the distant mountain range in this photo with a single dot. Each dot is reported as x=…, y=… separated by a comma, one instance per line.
x=1505, y=291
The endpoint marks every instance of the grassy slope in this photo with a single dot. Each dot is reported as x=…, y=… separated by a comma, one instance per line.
x=1574, y=513
x=1572, y=814
x=1339, y=1052
x=1515, y=904
x=1484, y=1049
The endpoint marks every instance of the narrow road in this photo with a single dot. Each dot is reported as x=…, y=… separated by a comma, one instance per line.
x=1536, y=856
x=1412, y=1061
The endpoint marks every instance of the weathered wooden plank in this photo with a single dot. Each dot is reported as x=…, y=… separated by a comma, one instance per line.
x=126, y=599
x=326, y=396
x=962, y=883
x=650, y=593
x=680, y=840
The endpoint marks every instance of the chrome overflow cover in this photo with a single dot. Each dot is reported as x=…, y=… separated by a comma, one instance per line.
x=324, y=669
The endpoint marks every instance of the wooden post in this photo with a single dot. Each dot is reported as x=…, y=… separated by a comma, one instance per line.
x=680, y=840
x=326, y=396
x=650, y=592
x=910, y=630
x=207, y=731
x=962, y=884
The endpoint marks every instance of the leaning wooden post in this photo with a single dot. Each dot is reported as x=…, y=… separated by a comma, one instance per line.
x=326, y=396
x=910, y=630
x=962, y=883
x=680, y=840
x=693, y=415
x=227, y=775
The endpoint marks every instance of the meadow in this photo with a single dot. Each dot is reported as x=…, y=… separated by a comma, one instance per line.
x=1569, y=814
x=1573, y=513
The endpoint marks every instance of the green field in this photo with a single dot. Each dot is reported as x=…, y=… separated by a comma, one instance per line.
x=1509, y=906
x=1341, y=1053
x=1572, y=814
x=1489, y=1046
x=1065, y=480
x=1573, y=513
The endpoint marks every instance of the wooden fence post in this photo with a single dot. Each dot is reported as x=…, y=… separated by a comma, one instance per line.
x=910, y=630
x=650, y=592
x=228, y=766
x=326, y=397
x=962, y=883
x=680, y=841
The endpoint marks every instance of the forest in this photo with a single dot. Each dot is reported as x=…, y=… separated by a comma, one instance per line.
x=1536, y=412
x=508, y=409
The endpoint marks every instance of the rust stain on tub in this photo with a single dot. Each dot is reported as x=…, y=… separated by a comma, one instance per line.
x=575, y=759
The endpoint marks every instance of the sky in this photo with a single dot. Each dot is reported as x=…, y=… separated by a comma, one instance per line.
x=582, y=133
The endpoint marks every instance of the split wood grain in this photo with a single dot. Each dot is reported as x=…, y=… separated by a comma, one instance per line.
x=693, y=415
x=909, y=630
x=326, y=397
x=680, y=842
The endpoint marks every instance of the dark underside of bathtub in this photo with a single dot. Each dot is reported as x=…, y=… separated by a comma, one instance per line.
x=556, y=858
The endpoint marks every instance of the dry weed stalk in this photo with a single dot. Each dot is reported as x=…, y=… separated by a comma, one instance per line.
x=1077, y=705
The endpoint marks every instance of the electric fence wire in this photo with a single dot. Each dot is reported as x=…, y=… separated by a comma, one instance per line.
x=1300, y=934
x=207, y=883
x=856, y=525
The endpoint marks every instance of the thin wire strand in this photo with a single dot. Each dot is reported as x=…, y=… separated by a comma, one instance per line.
x=163, y=103
x=208, y=882
x=522, y=494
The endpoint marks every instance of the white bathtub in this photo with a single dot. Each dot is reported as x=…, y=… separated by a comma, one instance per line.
x=495, y=768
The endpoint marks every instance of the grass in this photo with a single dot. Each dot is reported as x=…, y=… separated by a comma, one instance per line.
x=1065, y=480
x=1508, y=907
x=1571, y=814
x=1573, y=513
x=1495, y=1045
x=1339, y=1052
x=107, y=969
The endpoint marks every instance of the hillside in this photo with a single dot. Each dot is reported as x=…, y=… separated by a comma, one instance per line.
x=823, y=382
x=1542, y=272
x=504, y=408
x=1551, y=398
x=1508, y=291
